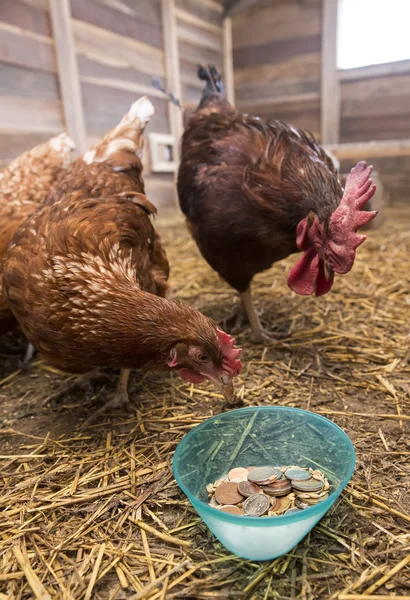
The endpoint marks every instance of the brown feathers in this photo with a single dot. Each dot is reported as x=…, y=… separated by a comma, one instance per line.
x=24, y=186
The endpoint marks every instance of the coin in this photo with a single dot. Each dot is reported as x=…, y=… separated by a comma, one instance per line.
x=312, y=501
x=227, y=493
x=230, y=508
x=256, y=505
x=272, y=490
x=275, y=504
x=284, y=504
x=293, y=510
x=239, y=479
x=237, y=472
x=310, y=485
x=247, y=488
x=264, y=474
x=299, y=474
x=300, y=504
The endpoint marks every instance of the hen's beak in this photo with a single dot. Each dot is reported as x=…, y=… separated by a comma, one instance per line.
x=224, y=386
x=329, y=272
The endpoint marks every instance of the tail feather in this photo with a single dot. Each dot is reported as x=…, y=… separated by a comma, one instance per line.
x=211, y=75
x=126, y=137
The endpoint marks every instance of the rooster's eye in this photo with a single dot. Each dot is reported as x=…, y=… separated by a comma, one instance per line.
x=203, y=357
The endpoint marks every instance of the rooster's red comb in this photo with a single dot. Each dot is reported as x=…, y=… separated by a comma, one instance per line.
x=230, y=363
x=349, y=216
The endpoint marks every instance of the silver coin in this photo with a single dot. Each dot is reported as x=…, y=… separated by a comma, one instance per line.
x=264, y=474
x=310, y=485
x=256, y=505
x=299, y=474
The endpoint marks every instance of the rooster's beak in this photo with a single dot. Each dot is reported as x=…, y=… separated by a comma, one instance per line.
x=329, y=272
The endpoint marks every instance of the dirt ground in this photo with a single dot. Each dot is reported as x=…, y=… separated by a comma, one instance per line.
x=96, y=514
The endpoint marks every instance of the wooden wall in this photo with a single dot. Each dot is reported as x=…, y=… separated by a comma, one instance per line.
x=375, y=104
x=31, y=109
x=199, y=32
x=277, y=61
x=119, y=46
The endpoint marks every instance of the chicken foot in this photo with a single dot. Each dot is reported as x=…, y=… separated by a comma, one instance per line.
x=235, y=320
x=24, y=364
x=120, y=400
x=259, y=335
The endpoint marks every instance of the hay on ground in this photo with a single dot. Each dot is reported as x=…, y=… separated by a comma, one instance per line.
x=97, y=515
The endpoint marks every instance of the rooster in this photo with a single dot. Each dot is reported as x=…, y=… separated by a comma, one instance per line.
x=86, y=276
x=255, y=191
x=24, y=186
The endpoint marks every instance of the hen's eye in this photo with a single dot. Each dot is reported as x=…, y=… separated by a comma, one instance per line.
x=203, y=357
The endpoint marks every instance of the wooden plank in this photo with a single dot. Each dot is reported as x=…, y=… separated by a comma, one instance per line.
x=199, y=55
x=299, y=68
x=277, y=21
x=144, y=25
x=233, y=7
x=371, y=71
x=270, y=90
x=15, y=142
x=31, y=115
x=383, y=96
x=17, y=81
x=191, y=19
x=210, y=13
x=366, y=150
x=365, y=129
x=199, y=37
x=173, y=75
x=275, y=51
x=118, y=84
x=68, y=72
x=305, y=115
x=212, y=4
x=280, y=100
x=330, y=87
x=127, y=74
x=25, y=16
x=105, y=106
x=228, y=60
x=26, y=49
x=124, y=52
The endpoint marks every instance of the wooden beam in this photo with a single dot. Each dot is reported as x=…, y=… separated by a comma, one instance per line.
x=68, y=72
x=228, y=60
x=233, y=7
x=173, y=75
x=366, y=150
x=401, y=67
x=330, y=85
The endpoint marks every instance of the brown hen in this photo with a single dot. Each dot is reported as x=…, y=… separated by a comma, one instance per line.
x=86, y=275
x=24, y=186
x=255, y=191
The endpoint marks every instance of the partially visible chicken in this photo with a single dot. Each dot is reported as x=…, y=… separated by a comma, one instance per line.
x=86, y=275
x=24, y=186
x=254, y=192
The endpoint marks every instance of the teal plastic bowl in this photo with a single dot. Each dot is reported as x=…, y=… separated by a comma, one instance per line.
x=278, y=436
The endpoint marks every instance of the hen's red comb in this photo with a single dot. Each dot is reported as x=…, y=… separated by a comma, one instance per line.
x=230, y=363
x=349, y=216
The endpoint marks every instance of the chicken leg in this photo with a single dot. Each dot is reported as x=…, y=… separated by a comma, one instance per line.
x=120, y=400
x=259, y=335
x=24, y=364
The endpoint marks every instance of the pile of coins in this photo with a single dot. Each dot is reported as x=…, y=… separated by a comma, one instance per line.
x=267, y=491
